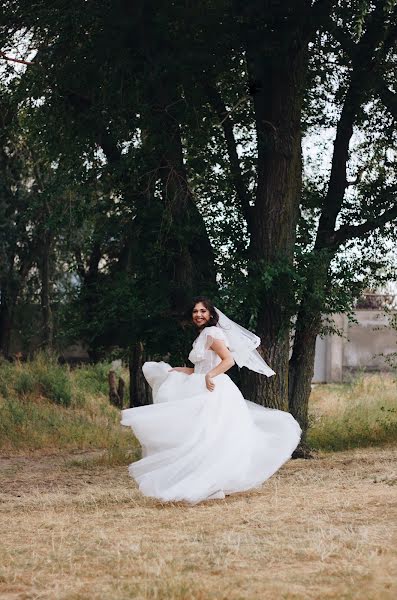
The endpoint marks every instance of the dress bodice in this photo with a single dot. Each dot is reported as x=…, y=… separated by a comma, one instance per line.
x=203, y=358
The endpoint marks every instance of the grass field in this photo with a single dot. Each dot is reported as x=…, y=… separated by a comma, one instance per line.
x=356, y=415
x=74, y=526
x=75, y=529
x=44, y=406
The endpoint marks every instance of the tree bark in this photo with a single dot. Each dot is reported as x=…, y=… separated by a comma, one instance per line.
x=45, y=295
x=6, y=319
x=308, y=324
x=188, y=255
x=90, y=283
x=276, y=84
x=301, y=370
x=140, y=393
x=116, y=391
x=10, y=287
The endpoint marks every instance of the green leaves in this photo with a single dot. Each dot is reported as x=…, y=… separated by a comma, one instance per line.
x=112, y=143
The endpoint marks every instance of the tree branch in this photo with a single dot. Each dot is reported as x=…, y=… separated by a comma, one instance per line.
x=344, y=40
x=79, y=263
x=317, y=15
x=364, y=64
x=358, y=177
x=225, y=119
x=388, y=98
x=348, y=232
x=16, y=60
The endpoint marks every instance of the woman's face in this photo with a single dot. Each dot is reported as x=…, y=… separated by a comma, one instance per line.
x=200, y=315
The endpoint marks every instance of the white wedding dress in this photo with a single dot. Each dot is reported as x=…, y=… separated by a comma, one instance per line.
x=199, y=445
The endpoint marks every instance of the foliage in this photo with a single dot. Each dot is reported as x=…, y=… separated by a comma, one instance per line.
x=140, y=144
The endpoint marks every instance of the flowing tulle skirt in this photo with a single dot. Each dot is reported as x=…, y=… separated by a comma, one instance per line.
x=198, y=445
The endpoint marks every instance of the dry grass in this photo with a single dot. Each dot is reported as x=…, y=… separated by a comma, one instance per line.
x=359, y=414
x=75, y=529
x=48, y=407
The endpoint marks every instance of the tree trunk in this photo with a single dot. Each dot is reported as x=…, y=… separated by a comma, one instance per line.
x=116, y=390
x=307, y=328
x=6, y=320
x=308, y=324
x=89, y=292
x=140, y=393
x=277, y=87
x=10, y=288
x=188, y=255
x=301, y=369
x=45, y=296
x=272, y=391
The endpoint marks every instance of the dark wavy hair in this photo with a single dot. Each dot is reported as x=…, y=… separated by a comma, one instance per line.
x=209, y=305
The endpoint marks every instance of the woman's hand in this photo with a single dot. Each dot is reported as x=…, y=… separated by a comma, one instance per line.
x=209, y=383
x=186, y=370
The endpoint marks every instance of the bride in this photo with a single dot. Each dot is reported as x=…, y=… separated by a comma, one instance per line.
x=201, y=440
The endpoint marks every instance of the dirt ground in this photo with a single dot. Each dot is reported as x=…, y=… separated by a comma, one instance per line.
x=74, y=529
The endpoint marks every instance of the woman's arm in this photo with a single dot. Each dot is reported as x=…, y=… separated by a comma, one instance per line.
x=224, y=353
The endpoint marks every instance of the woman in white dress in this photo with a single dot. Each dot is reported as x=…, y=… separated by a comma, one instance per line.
x=201, y=440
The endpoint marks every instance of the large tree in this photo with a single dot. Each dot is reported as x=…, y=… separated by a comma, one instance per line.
x=193, y=118
x=309, y=66
x=367, y=54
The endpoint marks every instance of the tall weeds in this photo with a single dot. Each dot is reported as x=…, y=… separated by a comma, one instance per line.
x=47, y=406
x=359, y=414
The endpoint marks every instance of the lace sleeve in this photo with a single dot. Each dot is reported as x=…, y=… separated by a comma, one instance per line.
x=212, y=333
x=205, y=340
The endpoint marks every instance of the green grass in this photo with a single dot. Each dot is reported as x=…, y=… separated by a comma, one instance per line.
x=47, y=406
x=50, y=407
x=92, y=379
x=360, y=414
x=42, y=376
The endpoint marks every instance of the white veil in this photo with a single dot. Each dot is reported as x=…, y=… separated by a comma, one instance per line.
x=242, y=344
